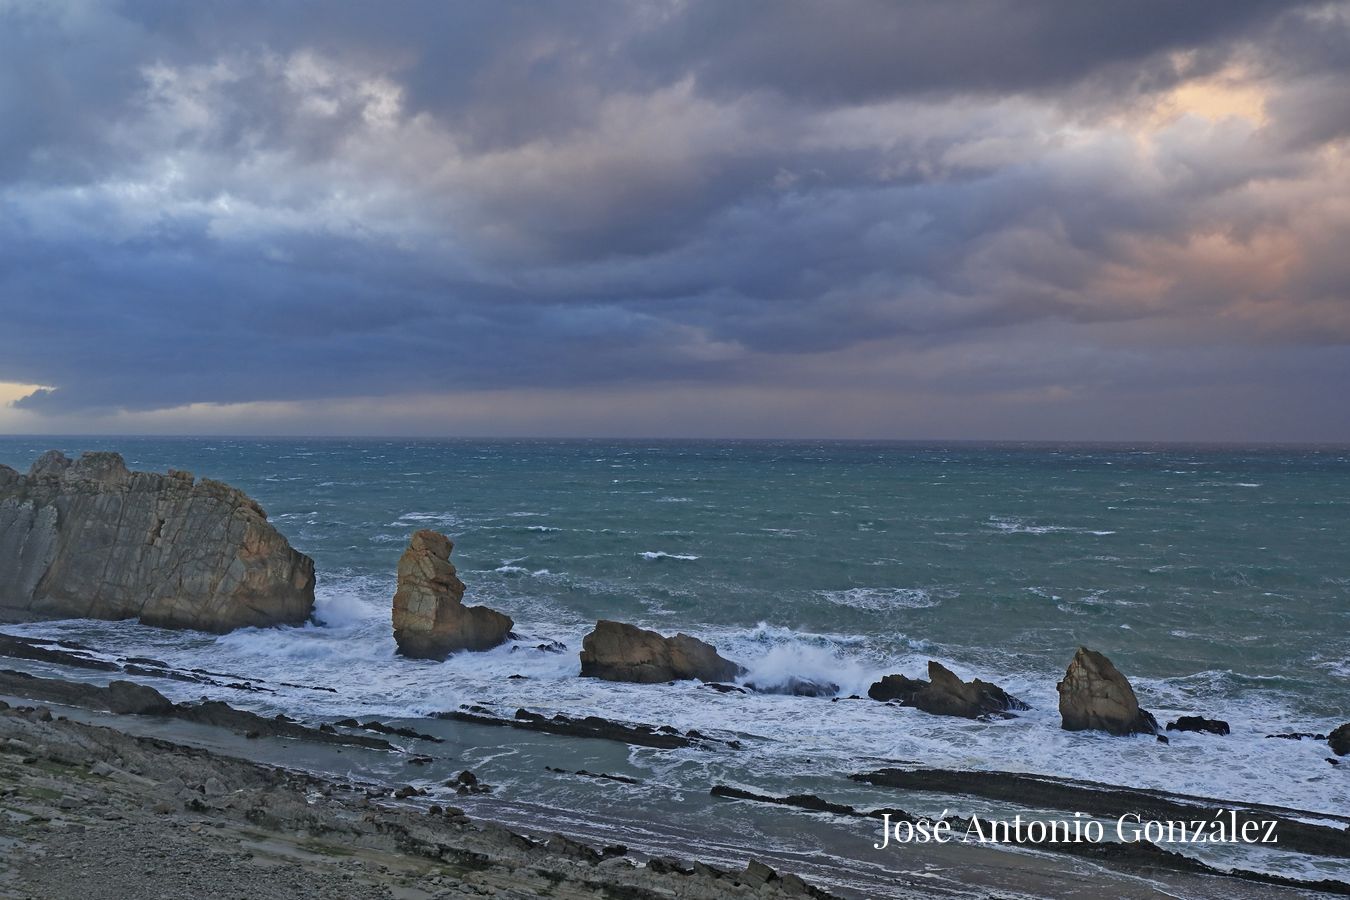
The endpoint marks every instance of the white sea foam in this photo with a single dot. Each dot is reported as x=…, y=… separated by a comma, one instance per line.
x=354, y=654
x=654, y=555
x=445, y=518
x=881, y=599
x=1012, y=525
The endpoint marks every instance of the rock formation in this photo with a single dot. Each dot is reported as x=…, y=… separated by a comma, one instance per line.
x=1340, y=740
x=1199, y=723
x=430, y=618
x=795, y=686
x=1095, y=696
x=618, y=652
x=944, y=694
x=90, y=539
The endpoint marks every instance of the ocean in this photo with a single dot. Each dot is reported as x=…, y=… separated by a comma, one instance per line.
x=1216, y=578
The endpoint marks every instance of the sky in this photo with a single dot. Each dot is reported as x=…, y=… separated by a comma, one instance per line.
x=929, y=220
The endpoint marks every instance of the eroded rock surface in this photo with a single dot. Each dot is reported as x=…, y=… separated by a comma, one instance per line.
x=615, y=651
x=430, y=618
x=1095, y=696
x=91, y=539
x=945, y=694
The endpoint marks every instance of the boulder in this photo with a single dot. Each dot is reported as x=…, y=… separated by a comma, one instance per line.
x=1095, y=696
x=430, y=618
x=1199, y=723
x=945, y=694
x=896, y=687
x=130, y=698
x=91, y=539
x=615, y=651
x=1339, y=740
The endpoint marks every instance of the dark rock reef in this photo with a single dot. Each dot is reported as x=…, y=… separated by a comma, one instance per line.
x=1199, y=723
x=615, y=651
x=1094, y=696
x=945, y=694
x=90, y=539
x=131, y=698
x=430, y=618
x=664, y=737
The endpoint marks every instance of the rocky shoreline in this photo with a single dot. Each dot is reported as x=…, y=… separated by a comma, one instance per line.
x=90, y=811
x=71, y=787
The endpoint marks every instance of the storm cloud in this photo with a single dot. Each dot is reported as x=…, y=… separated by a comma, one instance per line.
x=976, y=219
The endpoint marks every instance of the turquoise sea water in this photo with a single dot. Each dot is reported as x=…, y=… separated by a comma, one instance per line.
x=1216, y=578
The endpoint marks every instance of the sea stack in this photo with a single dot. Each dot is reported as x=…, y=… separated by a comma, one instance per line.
x=615, y=651
x=430, y=618
x=1095, y=696
x=90, y=539
x=945, y=694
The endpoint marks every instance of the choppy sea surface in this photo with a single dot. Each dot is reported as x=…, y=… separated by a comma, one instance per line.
x=1216, y=578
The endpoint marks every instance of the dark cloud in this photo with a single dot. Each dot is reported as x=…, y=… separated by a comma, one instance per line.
x=297, y=202
x=872, y=49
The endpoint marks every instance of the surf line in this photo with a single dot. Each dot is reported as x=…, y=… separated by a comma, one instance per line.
x=1130, y=828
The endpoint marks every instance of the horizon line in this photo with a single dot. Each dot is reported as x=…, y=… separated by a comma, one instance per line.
x=1099, y=442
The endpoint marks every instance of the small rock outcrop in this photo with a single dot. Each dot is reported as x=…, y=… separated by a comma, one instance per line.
x=615, y=651
x=795, y=686
x=1199, y=723
x=945, y=694
x=430, y=618
x=1339, y=740
x=132, y=698
x=90, y=539
x=1094, y=696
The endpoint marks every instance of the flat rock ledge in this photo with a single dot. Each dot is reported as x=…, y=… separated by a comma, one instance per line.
x=1094, y=696
x=945, y=694
x=615, y=651
x=430, y=618
x=91, y=539
x=93, y=812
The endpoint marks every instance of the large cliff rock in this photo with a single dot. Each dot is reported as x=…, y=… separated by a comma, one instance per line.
x=430, y=618
x=945, y=694
x=615, y=651
x=1095, y=696
x=90, y=539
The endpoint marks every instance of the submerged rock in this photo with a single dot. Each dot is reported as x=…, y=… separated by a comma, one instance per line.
x=1339, y=740
x=1095, y=696
x=945, y=694
x=615, y=651
x=430, y=618
x=794, y=686
x=90, y=539
x=1199, y=723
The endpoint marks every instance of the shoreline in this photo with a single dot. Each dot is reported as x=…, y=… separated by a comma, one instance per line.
x=90, y=810
x=221, y=746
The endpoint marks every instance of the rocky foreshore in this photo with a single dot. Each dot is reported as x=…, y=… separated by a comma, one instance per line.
x=90, y=811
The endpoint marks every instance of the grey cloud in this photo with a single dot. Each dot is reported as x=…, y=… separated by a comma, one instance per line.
x=298, y=202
